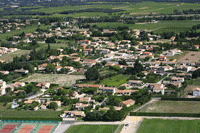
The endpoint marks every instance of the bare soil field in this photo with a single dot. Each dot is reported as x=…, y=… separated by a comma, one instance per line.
x=9, y=57
x=144, y=13
x=173, y=107
x=190, y=57
x=61, y=79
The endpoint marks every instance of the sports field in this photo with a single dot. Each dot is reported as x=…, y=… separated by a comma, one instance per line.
x=173, y=107
x=92, y=129
x=169, y=126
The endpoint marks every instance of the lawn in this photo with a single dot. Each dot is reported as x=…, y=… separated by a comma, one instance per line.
x=61, y=79
x=173, y=107
x=169, y=126
x=115, y=80
x=9, y=57
x=92, y=129
x=30, y=113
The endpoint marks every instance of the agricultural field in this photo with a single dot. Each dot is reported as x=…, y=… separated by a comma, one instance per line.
x=29, y=29
x=190, y=57
x=169, y=126
x=61, y=79
x=161, y=26
x=9, y=57
x=173, y=107
x=92, y=129
x=142, y=8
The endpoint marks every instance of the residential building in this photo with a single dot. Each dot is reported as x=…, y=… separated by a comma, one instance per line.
x=127, y=103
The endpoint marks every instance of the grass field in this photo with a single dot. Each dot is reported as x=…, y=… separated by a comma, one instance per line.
x=173, y=107
x=61, y=79
x=30, y=113
x=9, y=57
x=161, y=26
x=169, y=126
x=115, y=80
x=194, y=81
x=92, y=129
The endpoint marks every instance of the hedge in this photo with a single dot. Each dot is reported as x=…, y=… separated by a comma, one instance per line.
x=165, y=114
x=31, y=118
x=180, y=99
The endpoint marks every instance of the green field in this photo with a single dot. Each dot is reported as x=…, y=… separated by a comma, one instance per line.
x=9, y=57
x=169, y=126
x=115, y=80
x=141, y=8
x=92, y=129
x=173, y=107
x=29, y=29
x=13, y=113
x=194, y=81
x=161, y=26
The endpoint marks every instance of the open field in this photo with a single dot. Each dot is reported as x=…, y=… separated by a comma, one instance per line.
x=178, y=57
x=92, y=129
x=173, y=107
x=9, y=57
x=190, y=57
x=115, y=80
x=30, y=113
x=29, y=29
x=161, y=26
x=169, y=126
x=195, y=82
x=61, y=79
x=52, y=45
x=141, y=8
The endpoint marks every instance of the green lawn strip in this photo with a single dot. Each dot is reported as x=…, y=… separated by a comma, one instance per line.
x=172, y=107
x=169, y=126
x=92, y=129
x=120, y=128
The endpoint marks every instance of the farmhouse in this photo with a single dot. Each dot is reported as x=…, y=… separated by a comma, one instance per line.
x=127, y=103
x=196, y=92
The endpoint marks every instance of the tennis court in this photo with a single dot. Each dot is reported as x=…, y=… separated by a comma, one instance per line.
x=26, y=129
x=45, y=129
x=8, y=129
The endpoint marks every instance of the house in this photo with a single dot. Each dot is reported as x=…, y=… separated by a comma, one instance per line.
x=43, y=107
x=74, y=113
x=42, y=66
x=44, y=85
x=70, y=68
x=80, y=106
x=196, y=92
x=127, y=103
x=158, y=88
x=162, y=58
x=184, y=68
x=29, y=101
x=58, y=68
x=85, y=99
x=21, y=71
x=36, y=108
x=125, y=92
x=2, y=91
x=107, y=89
x=177, y=79
x=19, y=84
x=135, y=83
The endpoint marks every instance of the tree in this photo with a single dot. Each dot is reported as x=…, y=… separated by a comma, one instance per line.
x=122, y=87
x=92, y=74
x=8, y=89
x=50, y=68
x=53, y=105
x=26, y=106
x=34, y=104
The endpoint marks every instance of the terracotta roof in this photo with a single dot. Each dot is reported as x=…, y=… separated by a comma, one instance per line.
x=196, y=89
x=129, y=101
